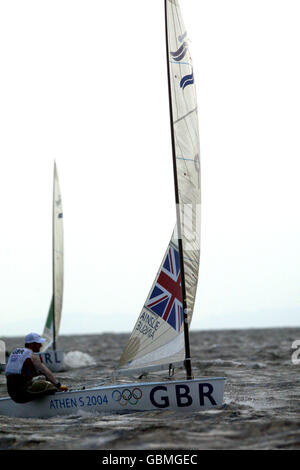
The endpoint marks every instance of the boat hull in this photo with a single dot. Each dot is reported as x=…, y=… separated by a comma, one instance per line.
x=54, y=360
x=184, y=395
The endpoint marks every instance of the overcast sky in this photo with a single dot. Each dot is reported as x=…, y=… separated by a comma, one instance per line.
x=84, y=83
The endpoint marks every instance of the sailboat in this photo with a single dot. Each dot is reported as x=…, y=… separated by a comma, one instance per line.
x=50, y=355
x=160, y=338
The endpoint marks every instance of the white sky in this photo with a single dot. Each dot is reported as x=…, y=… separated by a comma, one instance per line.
x=84, y=82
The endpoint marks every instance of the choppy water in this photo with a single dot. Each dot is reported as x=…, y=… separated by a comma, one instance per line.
x=261, y=403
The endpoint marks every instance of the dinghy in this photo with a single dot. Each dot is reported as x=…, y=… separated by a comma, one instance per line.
x=50, y=355
x=160, y=338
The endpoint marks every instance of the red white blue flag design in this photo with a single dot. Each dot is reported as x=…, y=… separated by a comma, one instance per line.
x=166, y=297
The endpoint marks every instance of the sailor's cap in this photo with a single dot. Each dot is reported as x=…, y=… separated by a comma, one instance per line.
x=34, y=338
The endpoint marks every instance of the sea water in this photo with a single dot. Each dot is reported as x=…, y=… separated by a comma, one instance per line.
x=261, y=407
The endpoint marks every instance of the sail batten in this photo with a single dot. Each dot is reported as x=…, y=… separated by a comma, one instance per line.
x=161, y=331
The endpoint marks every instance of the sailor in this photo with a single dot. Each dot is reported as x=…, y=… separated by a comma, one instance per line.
x=23, y=366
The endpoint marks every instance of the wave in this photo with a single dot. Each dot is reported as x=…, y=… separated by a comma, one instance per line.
x=77, y=359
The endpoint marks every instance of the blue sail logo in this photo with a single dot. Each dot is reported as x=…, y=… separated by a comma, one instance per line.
x=187, y=80
x=180, y=53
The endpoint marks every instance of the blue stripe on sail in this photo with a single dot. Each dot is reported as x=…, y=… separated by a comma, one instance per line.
x=186, y=80
x=180, y=53
x=180, y=57
x=185, y=159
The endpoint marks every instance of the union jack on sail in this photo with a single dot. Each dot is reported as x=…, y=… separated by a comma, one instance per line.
x=166, y=297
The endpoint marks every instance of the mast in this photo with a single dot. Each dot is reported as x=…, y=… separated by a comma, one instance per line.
x=187, y=362
x=53, y=260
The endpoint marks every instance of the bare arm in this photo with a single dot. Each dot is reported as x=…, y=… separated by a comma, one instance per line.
x=42, y=368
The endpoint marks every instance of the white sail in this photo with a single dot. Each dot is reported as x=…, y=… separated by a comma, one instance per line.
x=51, y=329
x=187, y=148
x=157, y=339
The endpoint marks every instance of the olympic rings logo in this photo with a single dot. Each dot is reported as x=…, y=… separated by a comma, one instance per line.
x=127, y=396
